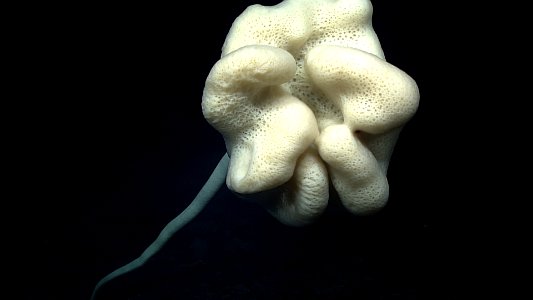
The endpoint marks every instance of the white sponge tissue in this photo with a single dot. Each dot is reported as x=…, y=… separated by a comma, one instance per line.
x=303, y=96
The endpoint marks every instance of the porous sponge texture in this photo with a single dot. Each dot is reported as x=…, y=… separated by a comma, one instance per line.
x=303, y=95
x=266, y=129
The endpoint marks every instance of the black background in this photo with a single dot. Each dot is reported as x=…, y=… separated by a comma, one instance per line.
x=123, y=148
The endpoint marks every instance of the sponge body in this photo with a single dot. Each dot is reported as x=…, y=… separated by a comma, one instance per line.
x=303, y=97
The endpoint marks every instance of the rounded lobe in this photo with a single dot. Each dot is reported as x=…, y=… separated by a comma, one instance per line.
x=265, y=128
x=305, y=197
x=356, y=175
x=373, y=95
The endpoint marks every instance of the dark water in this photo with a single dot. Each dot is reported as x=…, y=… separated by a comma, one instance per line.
x=135, y=150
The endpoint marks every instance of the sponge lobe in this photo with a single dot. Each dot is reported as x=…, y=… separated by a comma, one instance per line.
x=299, y=25
x=305, y=197
x=265, y=128
x=373, y=95
x=354, y=171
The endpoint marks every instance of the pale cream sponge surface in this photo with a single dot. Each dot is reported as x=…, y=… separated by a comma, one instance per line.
x=303, y=96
